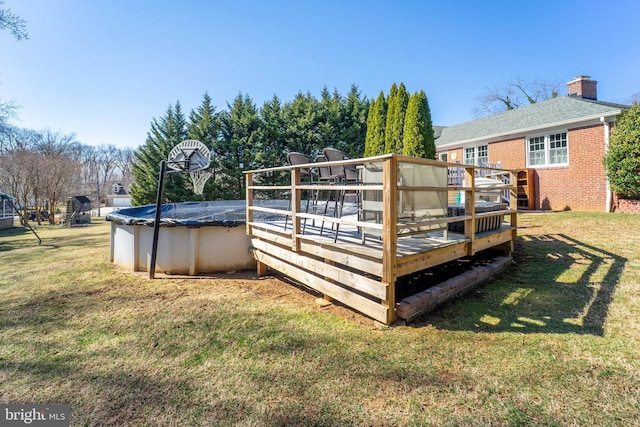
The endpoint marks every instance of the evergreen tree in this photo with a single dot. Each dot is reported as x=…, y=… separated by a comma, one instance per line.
x=418, y=138
x=178, y=187
x=412, y=137
x=237, y=147
x=390, y=131
x=376, y=127
x=368, y=142
x=302, y=116
x=271, y=148
x=430, y=138
x=401, y=101
x=354, y=114
x=204, y=126
x=622, y=161
x=165, y=134
x=330, y=120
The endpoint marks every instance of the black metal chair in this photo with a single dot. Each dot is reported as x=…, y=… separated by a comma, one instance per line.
x=296, y=158
x=344, y=174
x=323, y=177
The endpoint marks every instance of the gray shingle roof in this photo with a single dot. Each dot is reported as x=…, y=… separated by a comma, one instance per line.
x=541, y=115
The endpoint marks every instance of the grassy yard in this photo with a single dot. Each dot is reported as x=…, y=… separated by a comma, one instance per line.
x=554, y=341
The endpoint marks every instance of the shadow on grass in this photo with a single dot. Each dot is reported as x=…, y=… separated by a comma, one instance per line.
x=8, y=241
x=125, y=369
x=16, y=238
x=558, y=285
x=121, y=396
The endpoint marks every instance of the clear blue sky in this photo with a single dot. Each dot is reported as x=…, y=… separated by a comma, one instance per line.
x=105, y=68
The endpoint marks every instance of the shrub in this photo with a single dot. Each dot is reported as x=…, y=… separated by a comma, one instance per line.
x=622, y=161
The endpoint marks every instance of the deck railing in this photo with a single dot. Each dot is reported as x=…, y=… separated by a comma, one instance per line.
x=421, y=189
x=393, y=197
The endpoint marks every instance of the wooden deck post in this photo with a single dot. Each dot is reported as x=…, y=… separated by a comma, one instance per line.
x=390, y=234
x=513, y=204
x=296, y=194
x=249, y=201
x=470, y=209
x=261, y=268
x=328, y=279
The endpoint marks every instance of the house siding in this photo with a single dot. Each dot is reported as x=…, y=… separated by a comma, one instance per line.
x=591, y=167
x=627, y=205
x=510, y=153
x=450, y=155
x=579, y=186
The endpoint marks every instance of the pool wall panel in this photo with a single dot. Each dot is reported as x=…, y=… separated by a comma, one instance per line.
x=224, y=246
x=182, y=250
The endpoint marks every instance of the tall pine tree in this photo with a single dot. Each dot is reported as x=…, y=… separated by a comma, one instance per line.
x=330, y=118
x=418, y=138
x=376, y=128
x=204, y=126
x=430, y=138
x=271, y=148
x=368, y=142
x=165, y=134
x=354, y=112
x=389, y=129
x=302, y=117
x=398, y=100
x=237, y=147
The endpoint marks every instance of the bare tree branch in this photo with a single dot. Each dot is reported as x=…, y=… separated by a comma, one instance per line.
x=514, y=94
x=16, y=25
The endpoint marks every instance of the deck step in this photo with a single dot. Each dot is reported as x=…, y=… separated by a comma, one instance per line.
x=422, y=302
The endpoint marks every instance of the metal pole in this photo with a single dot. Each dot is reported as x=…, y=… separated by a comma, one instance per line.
x=98, y=190
x=156, y=223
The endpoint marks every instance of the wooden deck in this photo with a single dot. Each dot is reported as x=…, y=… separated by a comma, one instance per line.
x=363, y=274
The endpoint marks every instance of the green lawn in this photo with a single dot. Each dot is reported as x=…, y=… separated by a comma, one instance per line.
x=554, y=341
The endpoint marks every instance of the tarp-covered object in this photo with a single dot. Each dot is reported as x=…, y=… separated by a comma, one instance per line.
x=81, y=204
x=227, y=213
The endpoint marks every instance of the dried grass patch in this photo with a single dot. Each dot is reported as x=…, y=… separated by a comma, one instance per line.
x=552, y=342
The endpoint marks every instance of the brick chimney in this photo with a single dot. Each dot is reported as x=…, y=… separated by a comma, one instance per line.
x=583, y=87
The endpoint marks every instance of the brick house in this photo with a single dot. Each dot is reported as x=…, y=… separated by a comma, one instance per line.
x=561, y=142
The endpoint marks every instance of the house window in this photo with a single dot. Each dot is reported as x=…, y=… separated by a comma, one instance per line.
x=536, y=151
x=470, y=156
x=444, y=157
x=483, y=154
x=476, y=155
x=548, y=150
x=558, y=149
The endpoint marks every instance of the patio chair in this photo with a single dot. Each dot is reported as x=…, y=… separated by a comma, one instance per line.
x=323, y=177
x=345, y=174
x=296, y=158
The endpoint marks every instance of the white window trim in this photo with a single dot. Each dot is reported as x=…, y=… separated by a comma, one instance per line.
x=475, y=153
x=547, y=150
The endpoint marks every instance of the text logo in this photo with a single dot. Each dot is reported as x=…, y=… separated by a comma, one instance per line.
x=53, y=415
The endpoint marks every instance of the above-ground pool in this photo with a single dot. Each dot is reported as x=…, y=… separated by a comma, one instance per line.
x=194, y=238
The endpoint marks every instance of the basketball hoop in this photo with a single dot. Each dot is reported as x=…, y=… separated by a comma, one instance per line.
x=199, y=178
x=189, y=156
